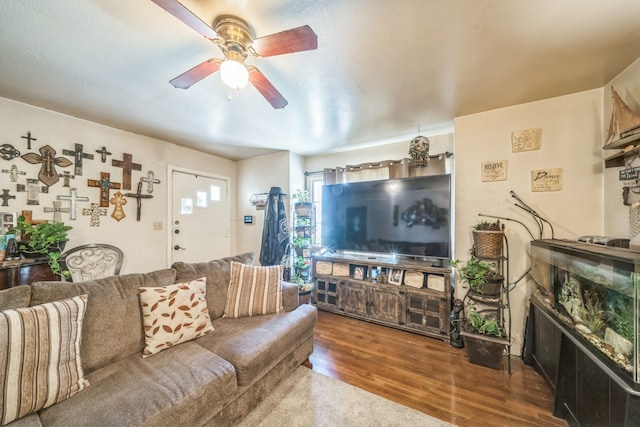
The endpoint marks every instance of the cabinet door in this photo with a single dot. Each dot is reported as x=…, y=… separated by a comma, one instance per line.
x=426, y=311
x=387, y=305
x=326, y=293
x=353, y=298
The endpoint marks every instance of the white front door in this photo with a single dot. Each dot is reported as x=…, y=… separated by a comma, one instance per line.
x=200, y=217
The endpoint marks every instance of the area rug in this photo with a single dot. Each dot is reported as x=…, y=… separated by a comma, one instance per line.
x=307, y=398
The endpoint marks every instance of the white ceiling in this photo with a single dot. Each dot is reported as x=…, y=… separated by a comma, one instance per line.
x=383, y=70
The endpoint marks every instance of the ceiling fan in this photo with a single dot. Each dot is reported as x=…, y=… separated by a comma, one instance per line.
x=236, y=40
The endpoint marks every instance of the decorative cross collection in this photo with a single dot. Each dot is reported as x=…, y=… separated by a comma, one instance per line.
x=33, y=191
x=47, y=157
x=8, y=152
x=139, y=196
x=29, y=139
x=57, y=209
x=66, y=176
x=119, y=201
x=78, y=155
x=103, y=154
x=150, y=179
x=13, y=173
x=95, y=212
x=127, y=166
x=73, y=198
x=105, y=185
x=5, y=197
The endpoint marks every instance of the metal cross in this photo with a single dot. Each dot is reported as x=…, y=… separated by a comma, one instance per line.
x=105, y=185
x=29, y=139
x=66, y=176
x=119, y=201
x=8, y=152
x=127, y=166
x=95, y=213
x=73, y=198
x=33, y=191
x=139, y=196
x=57, y=209
x=103, y=154
x=5, y=197
x=78, y=155
x=47, y=157
x=150, y=179
x=13, y=173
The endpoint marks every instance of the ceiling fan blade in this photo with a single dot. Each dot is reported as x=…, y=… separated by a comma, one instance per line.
x=289, y=41
x=185, y=15
x=197, y=73
x=266, y=89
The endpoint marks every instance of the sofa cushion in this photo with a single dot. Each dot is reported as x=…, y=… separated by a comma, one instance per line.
x=174, y=314
x=218, y=274
x=254, y=291
x=256, y=344
x=40, y=356
x=113, y=322
x=184, y=385
x=16, y=297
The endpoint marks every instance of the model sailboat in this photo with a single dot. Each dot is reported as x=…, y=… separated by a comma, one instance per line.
x=624, y=122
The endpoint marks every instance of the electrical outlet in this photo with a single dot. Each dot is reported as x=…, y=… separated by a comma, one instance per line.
x=157, y=225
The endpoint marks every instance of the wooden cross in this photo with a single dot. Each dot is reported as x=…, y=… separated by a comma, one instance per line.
x=95, y=213
x=78, y=155
x=66, y=176
x=127, y=166
x=57, y=209
x=105, y=185
x=47, y=157
x=139, y=196
x=119, y=201
x=150, y=180
x=8, y=152
x=5, y=197
x=103, y=154
x=73, y=199
x=13, y=173
x=28, y=218
x=33, y=191
x=29, y=139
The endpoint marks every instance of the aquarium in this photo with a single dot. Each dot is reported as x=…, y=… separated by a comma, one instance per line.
x=593, y=290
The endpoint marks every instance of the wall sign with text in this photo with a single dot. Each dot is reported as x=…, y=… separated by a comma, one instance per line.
x=495, y=170
x=546, y=180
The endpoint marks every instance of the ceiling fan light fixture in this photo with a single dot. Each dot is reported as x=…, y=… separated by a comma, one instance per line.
x=233, y=71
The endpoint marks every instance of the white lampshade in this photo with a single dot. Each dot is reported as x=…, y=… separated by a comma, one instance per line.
x=234, y=74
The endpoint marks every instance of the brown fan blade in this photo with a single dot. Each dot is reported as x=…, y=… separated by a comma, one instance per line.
x=185, y=15
x=266, y=89
x=197, y=73
x=289, y=41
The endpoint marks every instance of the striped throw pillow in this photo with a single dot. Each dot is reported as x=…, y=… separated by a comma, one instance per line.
x=40, y=356
x=253, y=291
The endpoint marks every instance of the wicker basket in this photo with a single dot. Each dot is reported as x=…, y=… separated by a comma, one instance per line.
x=487, y=244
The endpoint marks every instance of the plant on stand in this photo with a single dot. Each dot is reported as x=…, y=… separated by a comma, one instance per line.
x=303, y=203
x=44, y=240
x=482, y=277
x=484, y=338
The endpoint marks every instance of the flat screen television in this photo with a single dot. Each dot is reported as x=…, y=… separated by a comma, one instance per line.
x=408, y=217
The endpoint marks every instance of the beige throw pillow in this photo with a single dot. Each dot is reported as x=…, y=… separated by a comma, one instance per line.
x=174, y=314
x=253, y=291
x=40, y=356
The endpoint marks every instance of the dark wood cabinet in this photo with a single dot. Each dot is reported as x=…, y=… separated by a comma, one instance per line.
x=23, y=272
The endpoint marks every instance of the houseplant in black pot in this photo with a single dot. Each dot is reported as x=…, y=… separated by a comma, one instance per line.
x=303, y=205
x=44, y=240
x=483, y=278
x=484, y=338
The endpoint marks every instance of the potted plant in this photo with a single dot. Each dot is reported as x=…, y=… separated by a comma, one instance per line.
x=487, y=239
x=43, y=240
x=303, y=203
x=481, y=277
x=484, y=338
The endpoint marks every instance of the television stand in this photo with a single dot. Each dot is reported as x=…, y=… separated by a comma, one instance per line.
x=405, y=294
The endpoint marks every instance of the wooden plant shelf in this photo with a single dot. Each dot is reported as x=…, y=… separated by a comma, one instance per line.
x=618, y=159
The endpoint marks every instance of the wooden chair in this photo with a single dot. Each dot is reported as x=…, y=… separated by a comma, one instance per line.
x=93, y=261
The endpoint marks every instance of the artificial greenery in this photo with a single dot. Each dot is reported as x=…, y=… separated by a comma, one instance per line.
x=488, y=226
x=44, y=238
x=475, y=272
x=302, y=242
x=301, y=196
x=480, y=323
x=301, y=263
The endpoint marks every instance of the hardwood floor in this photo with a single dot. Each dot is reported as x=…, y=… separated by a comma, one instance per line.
x=429, y=375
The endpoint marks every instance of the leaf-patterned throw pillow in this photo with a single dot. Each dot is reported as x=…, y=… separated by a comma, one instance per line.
x=174, y=314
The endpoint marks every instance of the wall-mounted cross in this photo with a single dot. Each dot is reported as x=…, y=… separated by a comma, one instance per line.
x=103, y=154
x=127, y=166
x=47, y=157
x=78, y=155
x=29, y=139
x=66, y=176
x=57, y=209
x=119, y=201
x=73, y=198
x=105, y=185
x=13, y=173
x=8, y=152
x=28, y=218
x=33, y=191
x=150, y=179
x=95, y=213
x=139, y=196
x=5, y=197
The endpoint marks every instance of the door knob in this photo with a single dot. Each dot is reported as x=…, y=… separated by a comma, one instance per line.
x=178, y=247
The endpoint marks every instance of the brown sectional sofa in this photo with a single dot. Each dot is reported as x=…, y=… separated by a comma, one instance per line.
x=214, y=380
